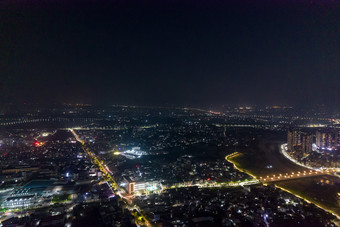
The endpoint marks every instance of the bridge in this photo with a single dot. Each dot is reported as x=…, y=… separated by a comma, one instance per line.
x=286, y=176
x=295, y=175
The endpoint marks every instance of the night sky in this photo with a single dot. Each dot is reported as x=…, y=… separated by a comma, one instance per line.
x=170, y=52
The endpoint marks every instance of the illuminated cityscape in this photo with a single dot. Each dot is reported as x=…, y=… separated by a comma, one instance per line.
x=322, y=154
x=169, y=113
x=170, y=166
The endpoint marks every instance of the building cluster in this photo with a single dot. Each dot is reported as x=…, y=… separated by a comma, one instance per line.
x=321, y=150
x=184, y=171
x=169, y=164
x=45, y=181
x=328, y=139
x=113, y=212
x=157, y=138
x=299, y=142
x=155, y=130
x=251, y=206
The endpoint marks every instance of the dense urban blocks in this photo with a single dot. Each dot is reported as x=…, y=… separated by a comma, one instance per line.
x=157, y=166
x=323, y=154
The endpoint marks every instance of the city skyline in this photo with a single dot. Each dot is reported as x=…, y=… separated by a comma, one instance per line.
x=169, y=113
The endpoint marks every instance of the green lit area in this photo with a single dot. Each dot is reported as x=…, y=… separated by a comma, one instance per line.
x=62, y=198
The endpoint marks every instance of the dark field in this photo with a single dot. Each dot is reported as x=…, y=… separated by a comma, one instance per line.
x=322, y=190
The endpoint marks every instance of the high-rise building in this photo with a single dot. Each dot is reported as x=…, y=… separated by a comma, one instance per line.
x=307, y=142
x=320, y=138
x=335, y=139
x=293, y=139
x=327, y=139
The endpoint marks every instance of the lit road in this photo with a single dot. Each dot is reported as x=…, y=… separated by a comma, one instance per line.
x=106, y=172
x=283, y=151
x=139, y=219
x=215, y=184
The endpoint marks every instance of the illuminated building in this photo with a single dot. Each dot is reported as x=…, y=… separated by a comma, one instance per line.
x=293, y=139
x=320, y=139
x=19, y=201
x=327, y=139
x=27, y=195
x=133, y=186
x=307, y=142
x=135, y=152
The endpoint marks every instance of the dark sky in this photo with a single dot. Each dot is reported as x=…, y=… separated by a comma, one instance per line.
x=170, y=52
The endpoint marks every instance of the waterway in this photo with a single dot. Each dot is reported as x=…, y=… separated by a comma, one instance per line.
x=265, y=159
